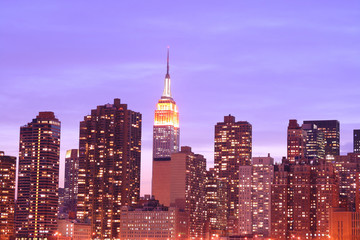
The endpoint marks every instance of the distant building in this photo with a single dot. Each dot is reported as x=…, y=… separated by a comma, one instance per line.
x=357, y=141
x=296, y=141
x=216, y=201
x=255, y=197
x=233, y=148
x=331, y=130
x=315, y=142
x=71, y=179
x=74, y=230
x=7, y=196
x=109, y=167
x=148, y=221
x=38, y=177
x=302, y=196
x=166, y=139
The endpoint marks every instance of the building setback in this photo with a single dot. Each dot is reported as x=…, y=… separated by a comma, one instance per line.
x=38, y=177
x=331, y=130
x=7, y=195
x=166, y=140
x=233, y=147
x=109, y=167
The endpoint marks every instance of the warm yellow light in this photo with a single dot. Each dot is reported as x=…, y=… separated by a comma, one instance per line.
x=166, y=113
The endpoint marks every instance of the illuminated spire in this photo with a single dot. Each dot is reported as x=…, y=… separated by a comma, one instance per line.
x=167, y=91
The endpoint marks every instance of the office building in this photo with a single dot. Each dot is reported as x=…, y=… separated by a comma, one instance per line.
x=233, y=147
x=166, y=139
x=315, y=142
x=331, y=130
x=38, y=177
x=7, y=196
x=72, y=230
x=344, y=224
x=356, y=140
x=109, y=167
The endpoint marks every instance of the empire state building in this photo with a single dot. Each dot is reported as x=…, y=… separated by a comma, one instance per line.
x=166, y=140
x=166, y=124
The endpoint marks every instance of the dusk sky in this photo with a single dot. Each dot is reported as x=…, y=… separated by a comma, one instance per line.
x=264, y=62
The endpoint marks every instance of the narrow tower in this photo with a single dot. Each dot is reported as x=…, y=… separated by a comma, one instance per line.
x=166, y=136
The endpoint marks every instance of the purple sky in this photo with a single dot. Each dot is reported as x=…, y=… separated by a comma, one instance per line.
x=261, y=61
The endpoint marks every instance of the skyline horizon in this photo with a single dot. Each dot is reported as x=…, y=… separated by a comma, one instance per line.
x=261, y=62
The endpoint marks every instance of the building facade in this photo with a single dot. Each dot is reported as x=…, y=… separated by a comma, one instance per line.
x=166, y=139
x=7, y=196
x=71, y=179
x=331, y=130
x=356, y=140
x=296, y=141
x=109, y=167
x=315, y=142
x=38, y=177
x=302, y=196
x=233, y=148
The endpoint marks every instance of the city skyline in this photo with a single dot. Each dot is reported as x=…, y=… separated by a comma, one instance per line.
x=246, y=61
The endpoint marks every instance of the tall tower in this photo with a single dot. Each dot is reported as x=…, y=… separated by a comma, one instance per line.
x=38, y=177
x=233, y=147
x=7, y=195
x=356, y=140
x=166, y=138
x=109, y=167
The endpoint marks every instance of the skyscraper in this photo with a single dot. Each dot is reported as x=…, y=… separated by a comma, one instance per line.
x=315, y=142
x=233, y=147
x=109, y=167
x=356, y=140
x=71, y=179
x=331, y=130
x=296, y=140
x=166, y=138
x=7, y=195
x=38, y=177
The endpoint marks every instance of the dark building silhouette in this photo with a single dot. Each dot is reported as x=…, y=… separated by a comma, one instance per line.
x=331, y=130
x=233, y=147
x=38, y=177
x=356, y=140
x=109, y=167
x=7, y=196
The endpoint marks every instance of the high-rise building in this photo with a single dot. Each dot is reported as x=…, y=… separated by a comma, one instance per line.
x=315, y=142
x=296, y=141
x=109, y=167
x=331, y=130
x=233, y=147
x=187, y=189
x=38, y=177
x=255, y=197
x=166, y=139
x=348, y=168
x=356, y=140
x=302, y=195
x=71, y=179
x=216, y=211
x=7, y=195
